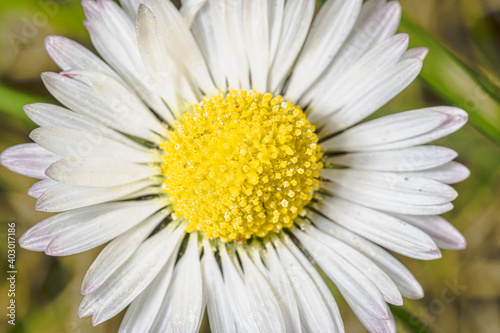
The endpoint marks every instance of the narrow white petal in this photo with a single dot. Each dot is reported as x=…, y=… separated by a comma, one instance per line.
x=417, y=52
x=382, y=90
x=313, y=312
x=117, y=219
x=41, y=187
x=283, y=290
x=163, y=321
x=204, y=33
x=143, y=310
x=263, y=304
x=359, y=262
x=449, y=173
x=275, y=11
x=374, y=324
x=441, y=231
x=190, y=9
x=63, y=197
x=118, y=251
x=237, y=293
x=372, y=199
x=181, y=44
x=256, y=32
x=368, y=8
x=133, y=276
x=385, y=230
x=28, y=159
x=83, y=99
x=112, y=34
x=359, y=78
x=70, y=142
x=323, y=289
x=406, y=282
x=68, y=54
x=393, y=187
x=363, y=38
x=98, y=171
x=297, y=19
x=126, y=106
x=219, y=312
x=355, y=287
x=175, y=88
x=52, y=115
x=329, y=30
x=131, y=7
x=400, y=160
x=187, y=299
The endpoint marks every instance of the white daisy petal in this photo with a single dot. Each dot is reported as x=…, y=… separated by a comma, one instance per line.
x=263, y=304
x=190, y=9
x=227, y=18
x=237, y=293
x=298, y=14
x=406, y=282
x=374, y=324
x=401, y=160
x=133, y=276
x=143, y=310
x=361, y=40
x=124, y=103
x=219, y=313
x=329, y=30
x=83, y=99
x=61, y=197
x=346, y=88
x=356, y=288
x=131, y=7
x=256, y=32
x=28, y=159
x=405, y=129
x=161, y=66
x=383, y=229
x=163, y=320
x=368, y=8
x=449, y=173
x=382, y=90
x=323, y=289
x=282, y=289
x=187, y=299
x=182, y=45
x=68, y=54
x=313, y=312
x=41, y=187
x=275, y=11
x=112, y=34
x=70, y=142
x=52, y=115
x=393, y=187
x=118, y=251
x=441, y=231
x=98, y=171
x=118, y=218
x=376, y=276
x=417, y=52
x=372, y=199
x=204, y=33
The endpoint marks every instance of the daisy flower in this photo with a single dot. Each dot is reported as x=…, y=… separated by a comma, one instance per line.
x=218, y=151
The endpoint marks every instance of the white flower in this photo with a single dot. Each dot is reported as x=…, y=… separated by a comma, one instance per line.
x=213, y=191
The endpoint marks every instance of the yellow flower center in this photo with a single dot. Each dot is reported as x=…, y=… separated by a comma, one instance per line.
x=241, y=165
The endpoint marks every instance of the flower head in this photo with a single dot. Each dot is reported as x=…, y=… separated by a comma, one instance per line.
x=217, y=151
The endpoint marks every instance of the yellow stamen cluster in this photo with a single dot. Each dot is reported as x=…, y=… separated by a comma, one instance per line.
x=241, y=165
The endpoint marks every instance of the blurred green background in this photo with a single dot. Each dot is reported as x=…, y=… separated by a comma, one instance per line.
x=462, y=290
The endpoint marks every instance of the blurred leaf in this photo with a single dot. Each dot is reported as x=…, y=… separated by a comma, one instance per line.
x=412, y=323
x=457, y=83
x=13, y=101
